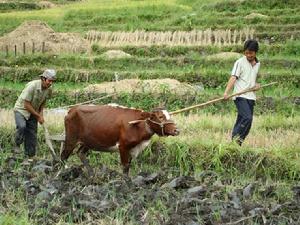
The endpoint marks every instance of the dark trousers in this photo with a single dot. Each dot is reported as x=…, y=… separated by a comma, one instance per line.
x=244, y=119
x=26, y=131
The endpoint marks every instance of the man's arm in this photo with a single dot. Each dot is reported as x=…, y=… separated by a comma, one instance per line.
x=37, y=115
x=41, y=109
x=229, y=86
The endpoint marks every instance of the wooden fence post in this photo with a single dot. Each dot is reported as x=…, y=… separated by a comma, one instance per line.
x=24, y=48
x=6, y=50
x=43, y=47
x=33, y=48
x=15, y=50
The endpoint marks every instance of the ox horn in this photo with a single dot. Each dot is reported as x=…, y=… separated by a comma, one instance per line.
x=135, y=122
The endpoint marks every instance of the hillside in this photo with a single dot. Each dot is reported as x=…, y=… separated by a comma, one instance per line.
x=149, y=54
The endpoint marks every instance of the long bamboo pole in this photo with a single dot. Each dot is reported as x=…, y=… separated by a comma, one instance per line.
x=218, y=99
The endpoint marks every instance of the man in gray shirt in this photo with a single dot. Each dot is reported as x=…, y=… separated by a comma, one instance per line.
x=29, y=111
x=243, y=76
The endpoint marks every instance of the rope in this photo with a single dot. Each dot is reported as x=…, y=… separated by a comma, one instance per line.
x=82, y=103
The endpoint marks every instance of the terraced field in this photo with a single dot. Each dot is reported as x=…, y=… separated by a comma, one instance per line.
x=193, y=65
x=199, y=177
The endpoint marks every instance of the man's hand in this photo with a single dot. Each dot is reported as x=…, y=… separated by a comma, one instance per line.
x=229, y=86
x=226, y=96
x=41, y=119
x=38, y=115
x=256, y=87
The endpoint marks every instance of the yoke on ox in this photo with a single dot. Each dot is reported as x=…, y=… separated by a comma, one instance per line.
x=110, y=128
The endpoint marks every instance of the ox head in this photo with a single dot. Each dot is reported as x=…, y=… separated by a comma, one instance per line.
x=160, y=122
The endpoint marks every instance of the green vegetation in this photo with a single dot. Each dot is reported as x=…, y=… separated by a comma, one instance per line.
x=270, y=155
x=6, y=6
x=203, y=145
x=186, y=64
x=167, y=15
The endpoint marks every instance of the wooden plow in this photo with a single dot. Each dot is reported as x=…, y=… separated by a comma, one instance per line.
x=49, y=140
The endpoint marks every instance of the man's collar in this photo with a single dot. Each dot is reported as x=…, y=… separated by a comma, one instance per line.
x=256, y=60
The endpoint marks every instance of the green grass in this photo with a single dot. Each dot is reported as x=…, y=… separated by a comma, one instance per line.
x=271, y=151
x=18, y=210
x=14, y=219
x=210, y=77
x=234, y=6
x=204, y=144
x=270, y=154
x=195, y=61
x=186, y=64
x=274, y=104
x=277, y=91
x=57, y=86
x=157, y=15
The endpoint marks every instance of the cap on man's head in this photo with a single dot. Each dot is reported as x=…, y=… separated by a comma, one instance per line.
x=49, y=74
x=251, y=45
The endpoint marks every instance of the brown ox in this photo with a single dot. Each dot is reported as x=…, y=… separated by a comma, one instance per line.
x=110, y=128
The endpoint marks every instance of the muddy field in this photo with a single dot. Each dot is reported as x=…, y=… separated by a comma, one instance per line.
x=53, y=195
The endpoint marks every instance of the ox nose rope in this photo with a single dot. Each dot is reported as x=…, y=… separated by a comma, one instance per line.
x=161, y=124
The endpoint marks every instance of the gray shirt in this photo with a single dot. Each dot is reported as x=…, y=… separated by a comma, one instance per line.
x=246, y=75
x=33, y=93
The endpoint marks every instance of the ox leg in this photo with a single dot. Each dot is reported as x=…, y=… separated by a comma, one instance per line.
x=71, y=138
x=67, y=149
x=81, y=153
x=126, y=169
x=125, y=160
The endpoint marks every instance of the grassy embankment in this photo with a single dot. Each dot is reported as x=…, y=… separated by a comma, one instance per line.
x=271, y=152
